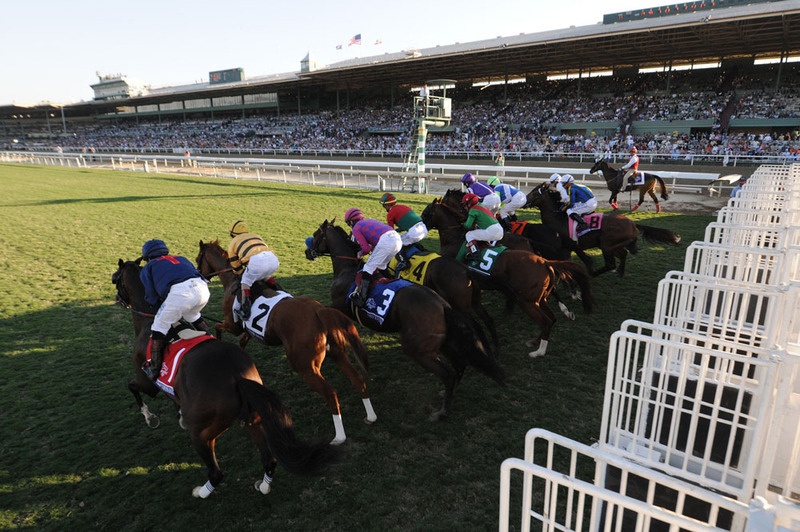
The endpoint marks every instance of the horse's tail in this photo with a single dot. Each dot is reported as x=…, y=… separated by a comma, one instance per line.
x=663, y=185
x=467, y=344
x=571, y=272
x=262, y=405
x=659, y=235
x=342, y=333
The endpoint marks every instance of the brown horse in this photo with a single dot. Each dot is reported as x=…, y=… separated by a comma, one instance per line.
x=454, y=282
x=427, y=324
x=532, y=277
x=616, y=236
x=217, y=384
x=305, y=328
x=614, y=183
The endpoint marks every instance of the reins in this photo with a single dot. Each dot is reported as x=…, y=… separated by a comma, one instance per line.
x=214, y=273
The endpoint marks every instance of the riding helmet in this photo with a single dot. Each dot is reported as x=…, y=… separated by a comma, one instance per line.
x=239, y=228
x=388, y=199
x=154, y=248
x=470, y=200
x=634, y=150
x=353, y=215
x=468, y=179
x=555, y=178
x=493, y=181
x=567, y=179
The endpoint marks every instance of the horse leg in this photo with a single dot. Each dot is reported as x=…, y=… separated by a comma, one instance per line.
x=585, y=259
x=543, y=315
x=205, y=448
x=268, y=461
x=357, y=380
x=480, y=311
x=317, y=383
x=652, y=194
x=150, y=418
x=622, y=255
x=431, y=362
x=609, y=263
x=613, y=201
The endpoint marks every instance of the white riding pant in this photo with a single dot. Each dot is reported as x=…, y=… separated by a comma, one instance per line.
x=415, y=233
x=491, y=202
x=516, y=202
x=586, y=207
x=260, y=267
x=185, y=300
x=490, y=234
x=387, y=247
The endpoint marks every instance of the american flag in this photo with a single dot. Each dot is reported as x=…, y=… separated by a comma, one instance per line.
x=355, y=39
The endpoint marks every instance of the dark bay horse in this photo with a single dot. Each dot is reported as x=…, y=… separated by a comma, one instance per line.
x=427, y=324
x=456, y=284
x=614, y=183
x=616, y=237
x=217, y=384
x=307, y=330
x=532, y=277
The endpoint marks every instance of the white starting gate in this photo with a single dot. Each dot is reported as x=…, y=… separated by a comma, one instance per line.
x=701, y=415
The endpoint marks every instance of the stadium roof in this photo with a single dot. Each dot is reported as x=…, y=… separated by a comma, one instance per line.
x=753, y=31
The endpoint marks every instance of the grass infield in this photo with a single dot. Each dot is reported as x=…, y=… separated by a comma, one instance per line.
x=76, y=454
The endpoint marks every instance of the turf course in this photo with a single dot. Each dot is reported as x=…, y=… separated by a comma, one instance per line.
x=77, y=455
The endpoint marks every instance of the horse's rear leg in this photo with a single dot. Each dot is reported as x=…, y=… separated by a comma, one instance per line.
x=205, y=448
x=263, y=485
x=543, y=315
x=317, y=383
x=356, y=379
x=432, y=363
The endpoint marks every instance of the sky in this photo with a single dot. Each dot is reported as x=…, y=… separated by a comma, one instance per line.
x=52, y=50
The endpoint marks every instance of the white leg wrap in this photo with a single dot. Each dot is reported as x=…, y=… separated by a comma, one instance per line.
x=371, y=416
x=203, y=491
x=339, y=426
x=541, y=351
x=265, y=485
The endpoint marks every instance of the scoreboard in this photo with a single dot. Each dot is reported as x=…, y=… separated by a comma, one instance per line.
x=676, y=9
x=226, y=76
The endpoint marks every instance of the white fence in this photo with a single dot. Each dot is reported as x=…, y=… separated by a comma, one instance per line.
x=375, y=174
x=702, y=406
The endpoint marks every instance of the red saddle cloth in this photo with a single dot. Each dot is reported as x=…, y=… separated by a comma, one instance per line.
x=173, y=353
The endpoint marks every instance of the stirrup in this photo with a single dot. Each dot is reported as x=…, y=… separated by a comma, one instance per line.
x=150, y=371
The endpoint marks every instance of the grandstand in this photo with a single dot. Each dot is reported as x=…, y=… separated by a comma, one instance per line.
x=722, y=66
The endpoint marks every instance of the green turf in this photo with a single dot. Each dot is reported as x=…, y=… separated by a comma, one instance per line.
x=76, y=453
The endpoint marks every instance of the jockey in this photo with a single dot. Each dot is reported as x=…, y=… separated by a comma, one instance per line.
x=485, y=193
x=382, y=243
x=251, y=258
x=406, y=220
x=578, y=199
x=632, y=166
x=174, y=285
x=481, y=225
x=511, y=199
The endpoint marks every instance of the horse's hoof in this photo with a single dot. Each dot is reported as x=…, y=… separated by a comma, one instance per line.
x=571, y=316
x=438, y=416
x=335, y=441
x=263, y=487
x=153, y=421
x=200, y=492
x=535, y=354
x=531, y=343
x=370, y=421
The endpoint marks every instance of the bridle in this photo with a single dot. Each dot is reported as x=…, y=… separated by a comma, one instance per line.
x=123, y=298
x=202, y=258
x=312, y=252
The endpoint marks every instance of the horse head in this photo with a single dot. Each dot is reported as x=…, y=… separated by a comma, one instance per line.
x=330, y=239
x=212, y=259
x=130, y=290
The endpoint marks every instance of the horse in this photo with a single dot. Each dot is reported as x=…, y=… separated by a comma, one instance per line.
x=616, y=235
x=324, y=331
x=614, y=183
x=428, y=325
x=217, y=384
x=526, y=236
x=532, y=277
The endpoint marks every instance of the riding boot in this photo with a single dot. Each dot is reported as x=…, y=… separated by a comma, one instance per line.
x=472, y=247
x=245, y=303
x=272, y=283
x=582, y=226
x=201, y=325
x=402, y=264
x=506, y=224
x=153, y=368
x=361, y=293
